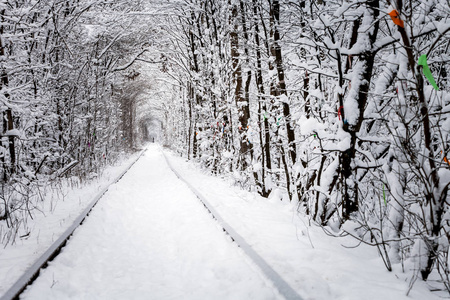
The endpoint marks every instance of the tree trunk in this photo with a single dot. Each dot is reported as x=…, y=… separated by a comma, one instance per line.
x=8, y=113
x=241, y=103
x=281, y=87
x=367, y=59
x=262, y=107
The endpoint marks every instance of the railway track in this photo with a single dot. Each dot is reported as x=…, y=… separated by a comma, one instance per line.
x=33, y=272
x=275, y=279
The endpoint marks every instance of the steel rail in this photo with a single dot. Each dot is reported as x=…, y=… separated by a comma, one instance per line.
x=33, y=272
x=273, y=276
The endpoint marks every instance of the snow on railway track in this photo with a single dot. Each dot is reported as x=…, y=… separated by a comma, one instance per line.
x=273, y=287
x=275, y=279
x=33, y=271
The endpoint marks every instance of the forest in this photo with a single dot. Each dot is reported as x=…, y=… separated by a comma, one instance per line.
x=339, y=106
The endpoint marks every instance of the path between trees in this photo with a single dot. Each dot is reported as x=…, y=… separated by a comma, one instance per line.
x=149, y=238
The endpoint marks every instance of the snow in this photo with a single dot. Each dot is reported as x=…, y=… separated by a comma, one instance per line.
x=351, y=106
x=149, y=237
x=314, y=264
x=309, y=126
x=257, y=166
x=13, y=132
x=227, y=154
x=442, y=27
x=57, y=214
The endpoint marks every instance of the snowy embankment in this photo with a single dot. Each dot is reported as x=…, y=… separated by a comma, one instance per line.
x=317, y=266
x=150, y=238
x=62, y=205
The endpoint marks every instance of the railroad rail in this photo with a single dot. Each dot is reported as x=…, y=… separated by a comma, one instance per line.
x=33, y=272
x=275, y=279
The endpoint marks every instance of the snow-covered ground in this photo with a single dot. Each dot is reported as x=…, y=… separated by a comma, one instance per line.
x=62, y=205
x=151, y=238
x=317, y=266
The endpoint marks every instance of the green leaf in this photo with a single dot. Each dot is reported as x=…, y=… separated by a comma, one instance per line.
x=426, y=71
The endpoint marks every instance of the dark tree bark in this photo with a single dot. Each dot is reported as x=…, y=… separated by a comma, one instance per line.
x=276, y=52
x=241, y=103
x=8, y=112
x=262, y=106
x=350, y=195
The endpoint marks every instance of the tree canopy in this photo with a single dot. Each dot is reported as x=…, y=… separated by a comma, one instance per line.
x=341, y=106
